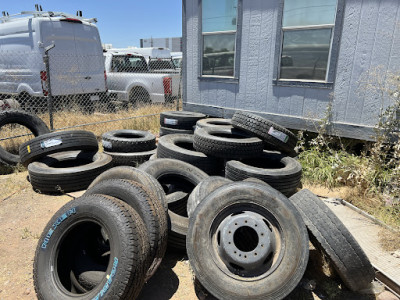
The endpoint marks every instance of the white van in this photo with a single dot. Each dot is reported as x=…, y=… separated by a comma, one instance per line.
x=76, y=61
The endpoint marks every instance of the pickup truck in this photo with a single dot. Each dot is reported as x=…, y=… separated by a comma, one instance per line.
x=130, y=79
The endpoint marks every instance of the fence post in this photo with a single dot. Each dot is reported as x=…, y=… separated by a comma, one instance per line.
x=49, y=96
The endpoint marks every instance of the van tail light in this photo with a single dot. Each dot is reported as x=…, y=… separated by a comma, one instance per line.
x=167, y=82
x=43, y=79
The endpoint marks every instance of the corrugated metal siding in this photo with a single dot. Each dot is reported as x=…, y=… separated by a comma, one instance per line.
x=370, y=37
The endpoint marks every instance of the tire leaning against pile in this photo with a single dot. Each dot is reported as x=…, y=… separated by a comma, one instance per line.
x=331, y=236
x=30, y=121
x=180, y=147
x=49, y=176
x=124, y=277
x=226, y=143
x=277, y=136
x=214, y=122
x=55, y=142
x=180, y=119
x=279, y=171
x=127, y=140
x=166, y=131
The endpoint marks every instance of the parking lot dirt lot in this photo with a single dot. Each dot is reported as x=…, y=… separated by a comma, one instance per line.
x=24, y=213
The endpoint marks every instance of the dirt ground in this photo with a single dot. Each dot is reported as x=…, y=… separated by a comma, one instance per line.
x=24, y=213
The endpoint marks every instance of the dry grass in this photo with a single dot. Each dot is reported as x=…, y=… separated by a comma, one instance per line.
x=390, y=241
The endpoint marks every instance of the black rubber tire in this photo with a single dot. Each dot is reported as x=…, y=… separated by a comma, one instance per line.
x=124, y=172
x=202, y=190
x=180, y=147
x=55, y=142
x=330, y=235
x=154, y=156
x=227, y=201
x=179, y=228
x=266, y=130
x=166, y=131
x=180, y=119
x=214, y=122
x=48, y=176
x=132, y=159
x=127, y=140
x=226, y=143
x=279, y=171
x=150, y=210
x=30, y=121
x=177, y=202
x=125, y=267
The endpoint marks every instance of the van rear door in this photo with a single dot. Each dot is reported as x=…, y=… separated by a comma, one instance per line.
x=90, y=58
x=64, y=67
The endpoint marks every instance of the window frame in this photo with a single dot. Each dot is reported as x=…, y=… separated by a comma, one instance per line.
x=236, y=64
x=333, y=50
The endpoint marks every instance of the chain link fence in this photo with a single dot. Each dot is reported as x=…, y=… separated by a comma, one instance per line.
x=117, y=90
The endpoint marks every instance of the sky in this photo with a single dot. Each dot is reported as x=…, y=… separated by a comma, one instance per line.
x=121, y=23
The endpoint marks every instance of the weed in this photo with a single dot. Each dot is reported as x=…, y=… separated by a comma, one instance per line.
x=26, y=233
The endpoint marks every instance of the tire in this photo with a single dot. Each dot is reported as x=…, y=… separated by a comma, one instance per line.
x=226, y=143
x=124, y=172
x=32, y=122
x=179, y=228
x=127, y=140
x=202, y=190
x=277, y=136
x=67, y=171
x=177, y=202
x=73, y=230
x=130, y=159
x=214, y=122
x=180, y=147
x=279, y=171
x=55, y=142
x=148, y=208
x=232, y=262
x=165, y=131
x=180, y=119
x=139, y=96
x=154, y=156
x=330, y=235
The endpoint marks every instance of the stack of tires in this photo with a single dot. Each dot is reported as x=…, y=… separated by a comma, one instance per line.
x=184, y=122
x=64, y=161
x=129, y=147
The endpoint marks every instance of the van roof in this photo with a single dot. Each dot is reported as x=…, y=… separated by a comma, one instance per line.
x=45, y=15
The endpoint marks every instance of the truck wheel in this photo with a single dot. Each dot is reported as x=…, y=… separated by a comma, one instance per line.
x=139, y=96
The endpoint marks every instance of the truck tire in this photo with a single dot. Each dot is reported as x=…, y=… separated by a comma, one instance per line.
x=137, y=175
x=202, y=190
x=279, y=171
x=139, y=96
x=226, y=143
x=54, y=142
x=133, y=159
x=67, y=236
x=277, y=136
x=247, y=241
x=149, y=209
x=127, y=140
x=180, y=147
x=67, y=171
x=214, y=122
x=30, y=121
x=165, y=131
x=180, y=119
x=330, y=235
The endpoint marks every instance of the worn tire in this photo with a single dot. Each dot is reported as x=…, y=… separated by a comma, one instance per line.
x=272, y=215
x=127, y=140
x=226, y=143
x=49, y=176
x=279, y=171
x=202, y=190
x=137, y=175
x=214, y=122
x=30, y=121
x=180, y=147
x=148, y=208
x=332, y=237
x=66, y=235
x=180, y=119
x=277, y=136
x=166, y=131
x=55, y=142
x=132, y=159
